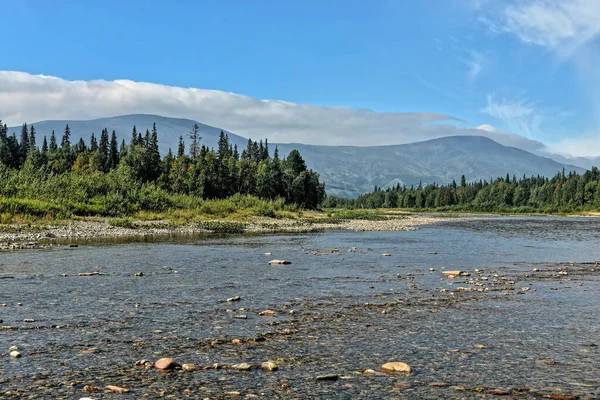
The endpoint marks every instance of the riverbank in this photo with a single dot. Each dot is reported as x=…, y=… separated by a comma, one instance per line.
x=97, y=228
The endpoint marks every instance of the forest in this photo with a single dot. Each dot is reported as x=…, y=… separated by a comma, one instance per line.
x=103, y=177
x=562, y=193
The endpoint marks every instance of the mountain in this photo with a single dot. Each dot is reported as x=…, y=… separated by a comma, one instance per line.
x=348, y=170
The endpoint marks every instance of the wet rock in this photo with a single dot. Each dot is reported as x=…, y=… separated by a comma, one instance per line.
x=547, y=361
x=556, y=396
x=15, y=354
x=189, y=367
x=386, y=255
x=437, y=384
x=139, y=273
x=93, y=273
x=456, y=273
x=328, y=377
x=396, y=367
x=479, y=346
x=117, y=389
x=241, y=316
x=165, y=364
x=370, y=372
x=13, y=348
x=234, y=298
x=499, y=392
x=267, y=313
x=236, y=342
x=28, y=320
x=279, y=262
x=90, y=389
x=242, y=367
x=269, y=366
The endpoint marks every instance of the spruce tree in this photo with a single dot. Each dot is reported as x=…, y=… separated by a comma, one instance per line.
x=32, y=144
x=24, y=143
x=134, y=137
x=66, y=139
x=53, y=146
x=45, y=146
x=180, y=147
x=103, y=150
x=93, y=143
x=113, y=155
x=195, y=140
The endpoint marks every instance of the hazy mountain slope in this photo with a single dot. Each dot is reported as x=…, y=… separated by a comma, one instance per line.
x=169, y=129
x=348, y=170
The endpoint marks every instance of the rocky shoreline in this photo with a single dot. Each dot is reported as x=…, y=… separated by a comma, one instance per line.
x=15, y=237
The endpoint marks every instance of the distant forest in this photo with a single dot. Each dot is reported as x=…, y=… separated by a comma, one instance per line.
x=562, y=193
x=105, y=177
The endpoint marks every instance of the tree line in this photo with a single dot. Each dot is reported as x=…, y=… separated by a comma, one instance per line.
x=102, y=168
x=565, y=192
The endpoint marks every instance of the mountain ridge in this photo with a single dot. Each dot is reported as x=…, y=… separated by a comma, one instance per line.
x=347, y=170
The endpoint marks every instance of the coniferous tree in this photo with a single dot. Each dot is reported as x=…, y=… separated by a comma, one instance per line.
x=195, y=141
x=93, y=143
x=32, y=144
x=180, y=147
x=103, y=151
x=53, y=146
x=113, y=153
x=45, y=146
x=65, y=144
x=24, y=144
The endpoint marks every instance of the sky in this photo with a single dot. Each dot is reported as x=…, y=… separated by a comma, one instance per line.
x=321, y=72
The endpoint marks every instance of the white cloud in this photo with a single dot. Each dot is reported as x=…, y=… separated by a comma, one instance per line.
x=475, y=63
x=30, y=98
x=585, y=146
x=519, y=115
x=561, y=26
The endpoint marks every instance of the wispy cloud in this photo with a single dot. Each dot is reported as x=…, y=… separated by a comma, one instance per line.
x=475, y=62
x=521, y=116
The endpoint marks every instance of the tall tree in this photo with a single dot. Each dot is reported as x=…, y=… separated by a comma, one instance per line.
x=194, y=141
x=113, y=153
x=180, y=147
x=53, y=146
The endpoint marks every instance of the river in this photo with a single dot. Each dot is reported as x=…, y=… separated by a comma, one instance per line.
x=527, y=323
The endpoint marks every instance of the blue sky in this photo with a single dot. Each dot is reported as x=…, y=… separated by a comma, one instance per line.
x=522, y=67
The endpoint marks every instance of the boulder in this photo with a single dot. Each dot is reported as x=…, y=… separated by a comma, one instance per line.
x=269, y=366
x=267, y=313
x=165, y=364
x=396, y=367
x=279, y=262
x=242, y=367
x=189, y=367
x=15, y=354
x=386, y=255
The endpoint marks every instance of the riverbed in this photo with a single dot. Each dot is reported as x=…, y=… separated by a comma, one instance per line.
x=522, y=320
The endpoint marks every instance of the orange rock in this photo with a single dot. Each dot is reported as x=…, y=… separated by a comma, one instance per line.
x=117, y=389
x=165, y=364
x=396, y=367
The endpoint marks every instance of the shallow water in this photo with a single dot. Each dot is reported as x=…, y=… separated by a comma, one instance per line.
x=93, y=329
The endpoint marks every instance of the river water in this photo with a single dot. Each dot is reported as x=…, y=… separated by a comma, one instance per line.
x=352, y=311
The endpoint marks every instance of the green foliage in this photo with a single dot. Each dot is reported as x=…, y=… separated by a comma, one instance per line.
x=103, y=180
x=564, y=193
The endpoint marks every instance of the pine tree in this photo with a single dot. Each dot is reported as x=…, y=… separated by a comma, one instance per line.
x=195, y=140
x=134, y=137
x=66, y=139
x=93, y=143
x=24, y=144
x=103, y=151
x=113, y=155
x=180, y=147
x=53, y=145
x=45, y=146
x=32, y=144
